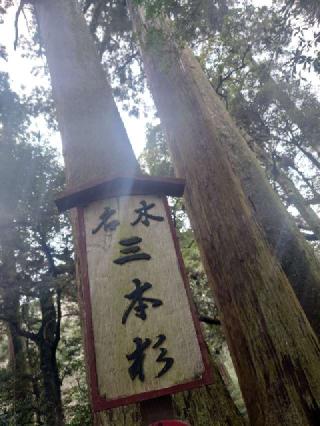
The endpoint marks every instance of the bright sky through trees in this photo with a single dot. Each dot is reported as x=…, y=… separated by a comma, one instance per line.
x=23, y=79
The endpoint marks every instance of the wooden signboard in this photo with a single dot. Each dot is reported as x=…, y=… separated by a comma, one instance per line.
x=142, y=336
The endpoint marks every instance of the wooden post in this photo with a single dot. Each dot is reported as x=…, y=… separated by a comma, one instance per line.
x=156, y=409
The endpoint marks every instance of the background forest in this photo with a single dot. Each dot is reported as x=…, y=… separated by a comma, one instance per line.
x=263, y=62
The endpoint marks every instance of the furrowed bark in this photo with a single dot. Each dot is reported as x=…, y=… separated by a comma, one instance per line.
x=210, y=405
x=274, y=349
x=94, y=140
x=296, y=256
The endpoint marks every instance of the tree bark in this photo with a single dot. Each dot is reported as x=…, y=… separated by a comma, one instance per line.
x=18, y=365
x=274, y=349
x=296, y=256
x=210, y=405
x=95, y=143
x=47, y=344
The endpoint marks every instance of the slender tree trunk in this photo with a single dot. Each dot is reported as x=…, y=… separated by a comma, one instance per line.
x=274, y=349
x=308, y=123
x=23, y=411
x=296, y=256
x=48, y=362
x=289, y=188
x=53, y=410
x=298, y=201
x=95, y=144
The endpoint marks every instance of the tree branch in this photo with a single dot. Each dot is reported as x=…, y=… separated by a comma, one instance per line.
x=209, y=320
x=24, y=333
x=16, y=21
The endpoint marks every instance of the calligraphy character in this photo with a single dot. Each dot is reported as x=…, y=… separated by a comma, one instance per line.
x=138, y=356
x=144, y=216
x=138, y=302
x=131, y=251
x=104, y=217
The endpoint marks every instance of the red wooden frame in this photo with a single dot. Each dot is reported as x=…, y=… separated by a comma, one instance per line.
x=101, y=403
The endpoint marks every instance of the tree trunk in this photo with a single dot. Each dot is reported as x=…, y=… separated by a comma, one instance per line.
x=275, y=352
x=53, y=410
x=95, y=143
x=210, y=405
x=296, y=256
x=23, y=411
x=48, y=362
x=294, y=196
x=308, y=121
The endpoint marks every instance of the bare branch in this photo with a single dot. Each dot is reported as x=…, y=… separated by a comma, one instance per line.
x=16, y=21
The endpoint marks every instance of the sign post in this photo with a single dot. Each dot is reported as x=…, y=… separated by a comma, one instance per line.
x=143, y=339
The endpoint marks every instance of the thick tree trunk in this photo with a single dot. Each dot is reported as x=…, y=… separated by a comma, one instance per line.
x=210, y=405
x=296, y=256
x=274, y=349
x=95, y=143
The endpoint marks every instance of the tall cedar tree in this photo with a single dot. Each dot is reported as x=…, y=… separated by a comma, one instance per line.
x=274, y=349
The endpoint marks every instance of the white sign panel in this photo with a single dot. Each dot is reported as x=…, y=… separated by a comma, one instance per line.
x=143, y=331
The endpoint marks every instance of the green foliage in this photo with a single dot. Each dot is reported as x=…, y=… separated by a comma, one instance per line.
x=36, y=268
x=155, y=158
x=72, y=367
